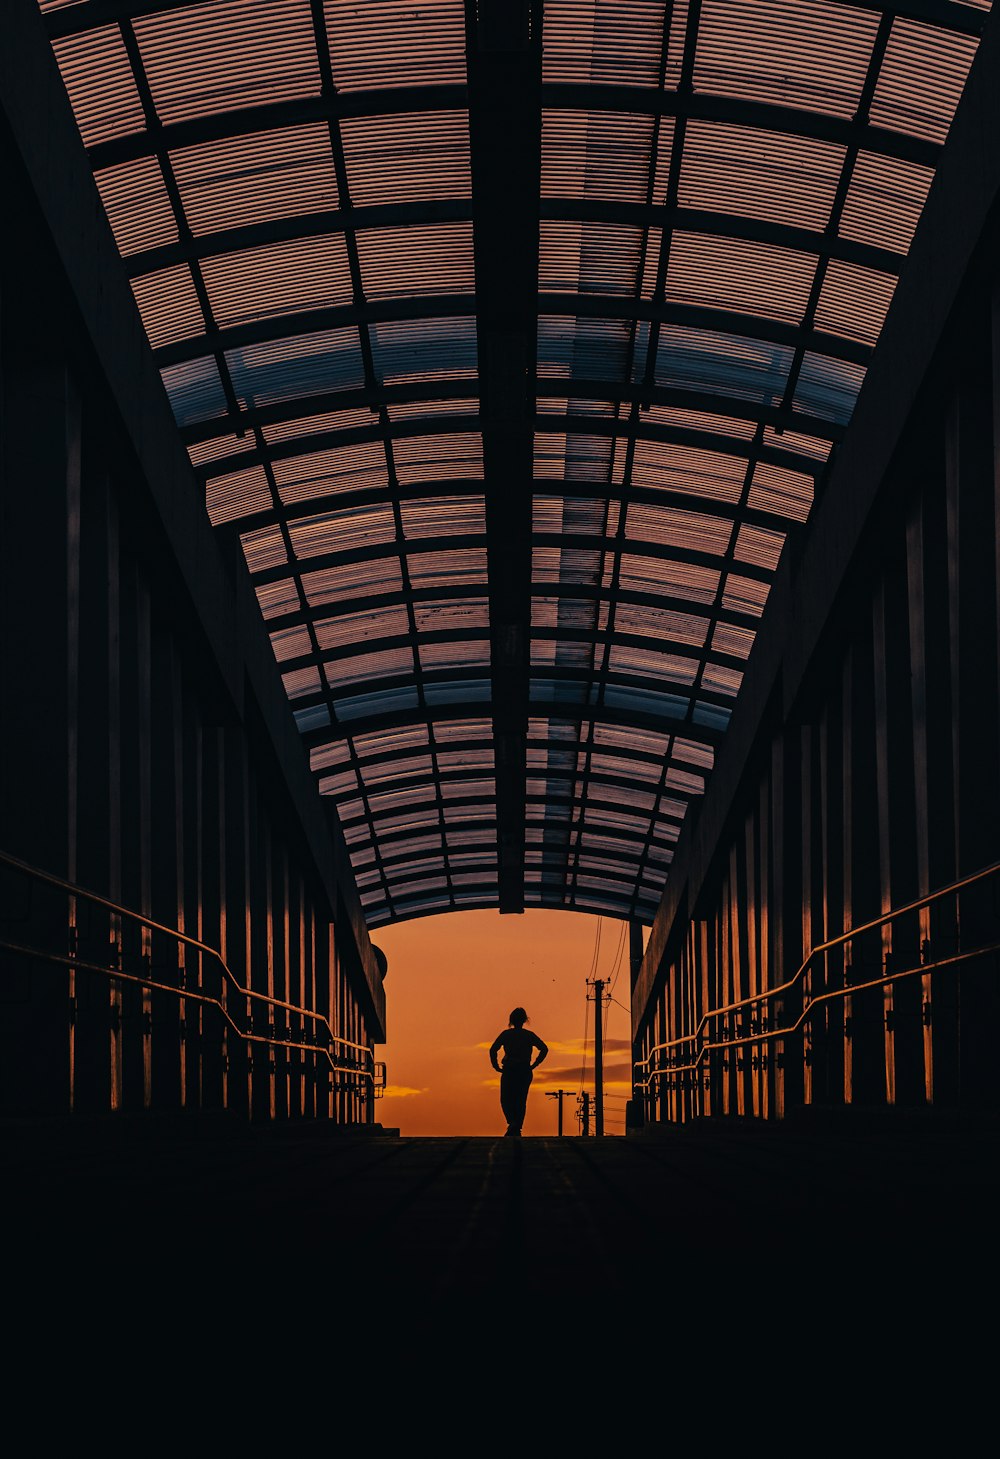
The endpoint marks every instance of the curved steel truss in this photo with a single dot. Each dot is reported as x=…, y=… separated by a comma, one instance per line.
x=513, y=342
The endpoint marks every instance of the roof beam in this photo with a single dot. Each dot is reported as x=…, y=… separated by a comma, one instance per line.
x=504, y=47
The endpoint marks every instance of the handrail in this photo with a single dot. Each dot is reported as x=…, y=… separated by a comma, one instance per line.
x=768, y=1035
x=130, y=914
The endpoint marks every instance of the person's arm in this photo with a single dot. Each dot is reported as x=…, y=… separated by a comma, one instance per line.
x=494, y=1050
x=542, y=1051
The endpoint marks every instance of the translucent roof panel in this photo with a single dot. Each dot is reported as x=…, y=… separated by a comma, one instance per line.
x=512, y=412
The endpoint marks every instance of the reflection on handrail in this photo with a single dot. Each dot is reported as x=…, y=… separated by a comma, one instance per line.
x=318, y=1020
x=766, y=1035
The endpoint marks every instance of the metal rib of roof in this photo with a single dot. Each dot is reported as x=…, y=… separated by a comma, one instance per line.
x=513, y=343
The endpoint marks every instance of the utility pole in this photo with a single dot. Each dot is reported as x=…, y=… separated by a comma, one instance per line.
x=598, y=985
x=585, y=1113
x=558, y=1094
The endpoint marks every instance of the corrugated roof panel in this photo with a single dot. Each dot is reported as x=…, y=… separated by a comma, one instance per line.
x=345, y=628
x=753, y=173
x=137, y=204
x=699, y=420
x=448, y=615
x=726, y=364
x=419, y=259
x=226, y=54
x=444, y=516
x=721, y=680
x=809, y=54
x=567, y=653
x=328, y=420
x=627, y=659
x=400, y=767
x=448, y=569
x=566, y=565
x=389, y=163
x=482, y=789
x=688, y=469
x=797, y=444
x=352, y=580
x=195, y=391
x=694, y=531
x=922, y=77
x=455, y=456
x=579, y=457
x=580, y=516
x=414, y=821
x=549, y=405
x=168, y=305
x=219, y=447
x=777, y=489
x=281, y=278
x=661, y=623
x=582, y=348
x=237, y=494
x=346, y=783
x=343, y=531
x=737, y=274
x=668, y=579
x=455, y=655
x=389, y=43
x=98, y=76
x=291, y=643
x=592, y=258
x=466, y=759
x=854, y=301
x=633, y=738
x=239, y=181
x=382, y=664
x=604, y=155
x=884, y=201
x=276, y=599
x=694, y=753
x=615, y=41
x=624, y=768
x=358, y=467
x=264, y=548
x=452, y=731
x=759, y=547
x=421, y=409
x=302, y=364
x=425, y=349
x=828, y=387
x=391, y=742
x=300, y=682
x=729, y=639
x=745, y=595
x=392, y=700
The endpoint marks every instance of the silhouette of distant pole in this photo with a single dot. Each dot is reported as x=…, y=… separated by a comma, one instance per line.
x=557, y=1094
x=598, y=1057
x=585, y=1113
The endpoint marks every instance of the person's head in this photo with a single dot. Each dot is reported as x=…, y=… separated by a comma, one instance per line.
x=518, y=1018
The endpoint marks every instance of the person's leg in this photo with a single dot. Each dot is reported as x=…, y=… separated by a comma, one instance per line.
x=519, y=1102
x=508, y=1097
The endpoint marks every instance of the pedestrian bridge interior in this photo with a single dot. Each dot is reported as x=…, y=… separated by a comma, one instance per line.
x=516, y=454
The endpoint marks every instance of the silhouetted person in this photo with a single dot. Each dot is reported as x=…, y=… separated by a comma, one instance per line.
x=515, y=1075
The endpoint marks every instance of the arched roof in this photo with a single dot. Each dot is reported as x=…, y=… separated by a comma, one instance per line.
x=513, y=343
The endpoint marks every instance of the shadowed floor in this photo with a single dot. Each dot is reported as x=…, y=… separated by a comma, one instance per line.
x=439, y=1221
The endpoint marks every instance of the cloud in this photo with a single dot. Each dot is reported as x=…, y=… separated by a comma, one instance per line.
x=400, y=1091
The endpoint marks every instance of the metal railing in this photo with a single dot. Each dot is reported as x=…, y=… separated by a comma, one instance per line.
x=761, y=1031
x=315, y=1034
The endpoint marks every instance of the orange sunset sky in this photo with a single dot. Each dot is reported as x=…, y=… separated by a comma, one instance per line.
x=451, y=983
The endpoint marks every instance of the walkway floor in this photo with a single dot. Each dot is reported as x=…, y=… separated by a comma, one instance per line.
x=435, y=1221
